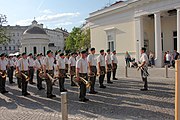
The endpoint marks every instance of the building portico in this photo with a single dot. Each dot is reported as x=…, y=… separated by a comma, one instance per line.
x=154, y=24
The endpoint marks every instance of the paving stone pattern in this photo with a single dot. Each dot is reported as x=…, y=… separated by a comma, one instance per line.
x=121, y=100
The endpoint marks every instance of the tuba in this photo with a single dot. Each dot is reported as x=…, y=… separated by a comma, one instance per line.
x=88, y=84
x=18, y=75
x=3, y=74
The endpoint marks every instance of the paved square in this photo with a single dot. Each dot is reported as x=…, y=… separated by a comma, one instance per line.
x=119, y=101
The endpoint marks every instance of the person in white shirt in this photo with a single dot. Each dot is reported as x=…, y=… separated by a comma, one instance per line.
x=66, y=60
x=19, y=81
x=101, y=68
x=10, y=70
x=39, y=67
x=48, y=65
x=23, y=67
x=72, y=63
x=82, y=71
x=144, y=68
x=31, y=68
x=62, y=72
x=78, y=56
x=92, y=62
x=3, y=66
x=108, y=66
x=114, y=64
x=168, y=58
x=58, y=54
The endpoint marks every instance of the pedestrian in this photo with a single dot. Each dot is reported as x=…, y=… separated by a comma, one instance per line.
x=144, y=68
x=127, y=59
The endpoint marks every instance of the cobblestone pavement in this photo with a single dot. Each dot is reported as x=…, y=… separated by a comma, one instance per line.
x=120, y=101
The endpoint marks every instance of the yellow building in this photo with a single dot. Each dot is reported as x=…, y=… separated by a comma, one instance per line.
x=130, y=25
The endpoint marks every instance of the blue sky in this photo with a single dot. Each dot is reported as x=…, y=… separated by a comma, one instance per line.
x=52, y=13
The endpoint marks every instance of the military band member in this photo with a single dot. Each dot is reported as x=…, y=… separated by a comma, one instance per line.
x=78, y=56
x=108, y=66
x=114, y=64
x=10, y=70
x=23, y=67
x=31, y=68
x=58, y=54
x=92, y=62
x=62, y=72
x=19, y=80
x=66, y=60
x=82, y=71
x=39, y=67
x=101, y=68
x=3, y=66
x=48, y=68
x=72, y=63
x=144, y=68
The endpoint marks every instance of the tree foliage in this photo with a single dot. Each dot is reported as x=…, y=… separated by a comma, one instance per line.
x=78, y=39
x=3, y=37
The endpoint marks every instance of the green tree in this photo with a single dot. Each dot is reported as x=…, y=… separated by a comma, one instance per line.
x=78, y=39
x=3, y=37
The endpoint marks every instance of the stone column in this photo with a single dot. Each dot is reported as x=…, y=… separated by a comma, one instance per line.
x=139, y=36
x=158, y=43
x=178, y=29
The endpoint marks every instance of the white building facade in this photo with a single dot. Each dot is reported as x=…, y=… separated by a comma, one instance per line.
x=130, y=25
x=23, y=41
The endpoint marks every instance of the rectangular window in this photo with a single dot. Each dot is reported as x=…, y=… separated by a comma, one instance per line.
x=0, y=48
x=9, y=47
x=110, y=39
x=162, y=41
x=5, y=48
x=14, y=48
x=175, y=39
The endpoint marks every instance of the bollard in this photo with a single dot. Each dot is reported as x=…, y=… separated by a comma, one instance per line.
x=166, y=67
x=64, y=108
x=126, y=74
x=177, y=89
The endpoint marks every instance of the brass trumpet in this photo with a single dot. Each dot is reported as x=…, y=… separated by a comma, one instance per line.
x=18, y=75
x=53, y=80
x=109, y=70
x=101, y=73
x=87, y=83
x=25, y=76
x=92, y=75
x=3, y=74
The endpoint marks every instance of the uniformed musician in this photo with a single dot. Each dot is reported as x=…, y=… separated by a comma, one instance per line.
x=66, y=60
x=114, y=64
x=82, y=71
x=39, y=67
x=23, y=67
x=10, y=70
x=92, y=62
x=101, y=68
x=72, y=63
x=108, y=66
x=62, y=72
x=3, y=66
x=31, y=68
x=58, y=54
x=19, y=80
x=48, y=68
